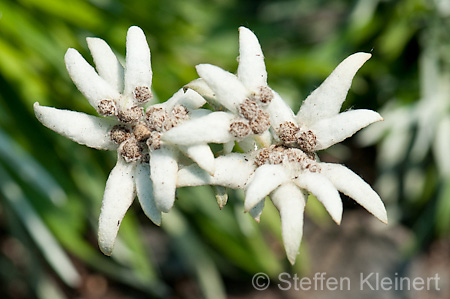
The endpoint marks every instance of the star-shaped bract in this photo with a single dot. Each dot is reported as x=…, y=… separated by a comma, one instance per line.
x=288, y=170
x=145, y=167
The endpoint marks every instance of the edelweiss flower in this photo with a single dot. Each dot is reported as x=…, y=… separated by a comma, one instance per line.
x=245, y=96
x=119, y=94
x=288, y=169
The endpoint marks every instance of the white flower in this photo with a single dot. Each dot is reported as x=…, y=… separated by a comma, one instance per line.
x=279, y=146
x=245, y=96
x=288, y=169
x=119, y=95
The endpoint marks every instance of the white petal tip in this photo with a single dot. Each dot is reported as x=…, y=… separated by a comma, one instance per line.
x=378, y=117
x=106, y=250
x=242, y=29
x=337, y=217
x=362, y=55
x=106, y=246
x=204, y=67
x=246, y=35
x=70, y=54
x=383, y=218
x=135, y=30
x=37, y=110
x=206, y=70
x=202, y=155
x=292, y=258
x=380, y=214
x=94, y=41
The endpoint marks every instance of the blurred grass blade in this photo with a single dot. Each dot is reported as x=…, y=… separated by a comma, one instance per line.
x=130, y=250
x=194, y=255
x=29, y=170
x=443, y=210
x=47, y=288
x=51, y=250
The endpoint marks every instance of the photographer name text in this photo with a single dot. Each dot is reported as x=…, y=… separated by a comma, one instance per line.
x=367, y=281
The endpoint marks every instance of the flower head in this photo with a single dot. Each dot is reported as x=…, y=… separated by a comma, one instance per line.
x=279, y=146
x=145, y=167
x=288, y=168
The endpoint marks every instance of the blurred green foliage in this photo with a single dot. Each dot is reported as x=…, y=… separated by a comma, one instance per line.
x=51, y=188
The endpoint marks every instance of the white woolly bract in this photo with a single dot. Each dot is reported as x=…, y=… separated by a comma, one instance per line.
x=84, y=76
x=327, y=99
x=201, y=87
x=321, y=187
x=106, y=63
x=265, y=180
x=82, y=128
x=337, y=128
x=290, y=202
x=119, y=195
x=228, y=89
x=138, y=70
x=144, y=190
x=356, y=188
x=187, y=98
x=232, y=170
x=252, y=142
x=279, y=111
x=163, y=169
x=212, y=128
x=200, y=154
x=251, y=70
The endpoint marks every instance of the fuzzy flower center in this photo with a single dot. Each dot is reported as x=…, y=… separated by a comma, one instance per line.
x=142, y=94
x=293, y=136
x=130, y=115
x=296, y=152
x=263, y=95
x=107, y=108
x=160, y=120
x=252, y=119
x=138, y=134
x=292, y=158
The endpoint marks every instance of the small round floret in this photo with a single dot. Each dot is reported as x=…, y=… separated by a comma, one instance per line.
x=106, y=108
x=240, y=128
x=142, y=94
